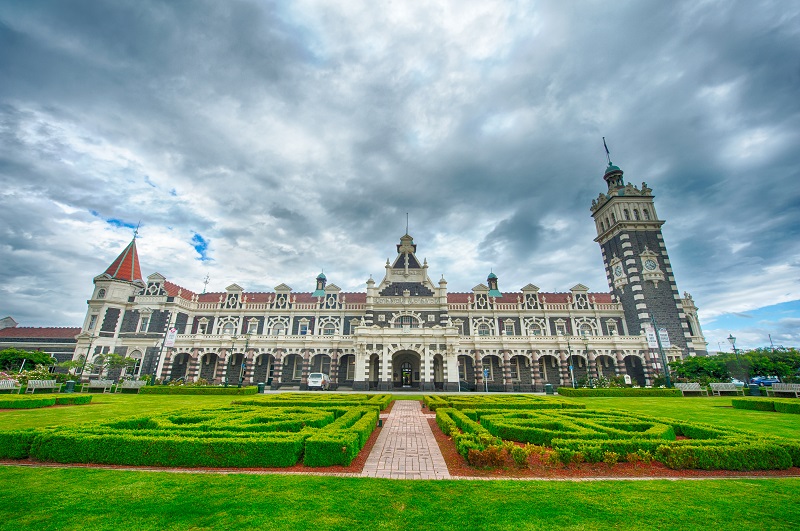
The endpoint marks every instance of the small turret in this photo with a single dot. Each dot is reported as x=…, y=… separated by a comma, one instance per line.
x=492, y=281
x=320, y=289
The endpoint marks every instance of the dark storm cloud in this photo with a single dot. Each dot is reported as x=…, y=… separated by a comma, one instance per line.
x=292, y=136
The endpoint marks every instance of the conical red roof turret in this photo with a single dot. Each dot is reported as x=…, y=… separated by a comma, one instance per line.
x=126, y=266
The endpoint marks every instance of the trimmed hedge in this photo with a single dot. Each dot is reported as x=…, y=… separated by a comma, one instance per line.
x=73, y=400
x=27, y=402
x=755, y=456
x=789, y=405
x=322, y=400
x=526, y=402
x=16, y=444
x=619, y=391
x=186, y=390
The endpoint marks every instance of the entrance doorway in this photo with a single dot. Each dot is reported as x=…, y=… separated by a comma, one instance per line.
x=406, y=374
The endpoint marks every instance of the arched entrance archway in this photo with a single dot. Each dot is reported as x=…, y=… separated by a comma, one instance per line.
x=635, y=369
x=347, y=370
x=292, y=373
x=438, y=372
x=208, y=366
x=466, y=373
x=179, y=366
x=405, y=369
x=264, y=369
x=549, y=369
x=521, y=374
x=321, y=363
x=492, y=373
x=605, y=366
x=374, y=371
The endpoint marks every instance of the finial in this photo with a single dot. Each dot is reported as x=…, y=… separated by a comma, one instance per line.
x=136, y=230
x=205, y=282
x=608, y=155
x=406, y=222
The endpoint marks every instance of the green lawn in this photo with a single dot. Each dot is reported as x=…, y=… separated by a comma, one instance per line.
x=101, y=499
x=111, y=499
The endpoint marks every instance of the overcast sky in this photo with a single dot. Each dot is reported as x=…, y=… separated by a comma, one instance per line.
x=260, y=142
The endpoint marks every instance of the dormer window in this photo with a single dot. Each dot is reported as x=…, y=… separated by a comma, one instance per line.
x=202, y=326
x=144, y=323
x=252, y=326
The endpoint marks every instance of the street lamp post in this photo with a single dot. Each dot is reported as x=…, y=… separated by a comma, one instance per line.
x=571, y=370
x=244, y=359
x=585, y=339
x=86, y=357
x=732, y=341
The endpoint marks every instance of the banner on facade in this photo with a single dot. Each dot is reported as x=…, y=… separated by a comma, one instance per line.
x=171, y=336
x=664, y=337
x=652, y=341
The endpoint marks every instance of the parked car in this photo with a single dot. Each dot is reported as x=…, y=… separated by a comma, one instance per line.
x=765, y=380
x=318, y=380
x=737, y=383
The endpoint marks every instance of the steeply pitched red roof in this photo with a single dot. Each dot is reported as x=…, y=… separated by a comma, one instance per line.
x=126, y=266
x=50, y=332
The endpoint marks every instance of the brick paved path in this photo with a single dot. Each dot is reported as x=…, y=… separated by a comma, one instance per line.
x=406, y=448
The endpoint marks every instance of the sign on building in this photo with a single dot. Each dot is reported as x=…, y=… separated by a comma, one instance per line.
x=664, y=337
x=171, y=336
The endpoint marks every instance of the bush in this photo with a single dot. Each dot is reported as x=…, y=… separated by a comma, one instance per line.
x=73, y=400
x=328, y=449
x=618, y=391
x=520, y=456
x=27, y=402
x=189, y=390
x=755, y=456
x=610, y=458
x=16, y=444
x=754, y=404
x=787, y=406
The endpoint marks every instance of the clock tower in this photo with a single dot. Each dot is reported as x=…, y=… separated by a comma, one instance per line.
x=637, y=265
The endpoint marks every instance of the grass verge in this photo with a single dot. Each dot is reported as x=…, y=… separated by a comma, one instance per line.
x=165, y=501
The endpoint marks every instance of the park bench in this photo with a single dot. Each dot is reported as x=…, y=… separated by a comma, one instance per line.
x=790, y=389
x=34, y=385
x=718, y=388
x=134, y=385
x=105, y=385
x=691, y=387
x=9, y=385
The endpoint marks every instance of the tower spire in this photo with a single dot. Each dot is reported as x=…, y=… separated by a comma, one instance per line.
x=608, y=154
x=126, y=265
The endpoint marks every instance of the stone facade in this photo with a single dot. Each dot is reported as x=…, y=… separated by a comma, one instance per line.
x=408, y=331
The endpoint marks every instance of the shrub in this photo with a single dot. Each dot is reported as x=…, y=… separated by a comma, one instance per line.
x=190, y=390
x=787, y=406
x=491, y=456
x=16, y=444
x=328, y=449
x=618, y=391
x=520, y=456
x=73, y=400
x=610, y=458
x=754, y=404
x=27, y=402
x=755, y=456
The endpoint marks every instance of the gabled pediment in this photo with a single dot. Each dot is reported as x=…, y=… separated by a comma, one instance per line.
x=579, y=287
x=156, y=277
x=282, y=288
x=234, y=287
x=332, y=288
x=530, y=287
x=481, y=287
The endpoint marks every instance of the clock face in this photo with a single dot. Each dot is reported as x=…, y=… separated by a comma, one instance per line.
x=618, y=271
x=650, y=264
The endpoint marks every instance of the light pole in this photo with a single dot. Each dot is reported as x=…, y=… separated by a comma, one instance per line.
x=661, y=350
x=571, y=370
x=585, y=339
x=86, y=357
x=244, y=359
x=732, y=341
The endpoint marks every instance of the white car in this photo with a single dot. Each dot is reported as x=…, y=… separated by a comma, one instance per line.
x=318, y=380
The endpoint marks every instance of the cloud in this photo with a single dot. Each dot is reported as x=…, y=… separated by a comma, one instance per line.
x=291, y=137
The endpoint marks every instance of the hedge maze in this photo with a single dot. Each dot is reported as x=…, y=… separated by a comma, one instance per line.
x=575, y=435
x=34, y=402
x=238, y=436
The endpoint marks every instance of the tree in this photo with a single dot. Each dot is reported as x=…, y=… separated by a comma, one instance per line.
x=701, y=368
x=12, y=358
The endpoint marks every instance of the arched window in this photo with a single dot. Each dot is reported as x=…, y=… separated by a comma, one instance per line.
x=278, y=329
x=635, y=214
x=535, y=330
x=613, y=217
x=625, y=214
x=406, y=321
x=328, y=330
x=646, y=213
x=228, y=329
x=101, y=294
x=483, y=329
x=585, y=330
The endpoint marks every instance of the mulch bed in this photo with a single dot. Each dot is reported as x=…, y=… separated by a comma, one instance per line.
x=458, y=466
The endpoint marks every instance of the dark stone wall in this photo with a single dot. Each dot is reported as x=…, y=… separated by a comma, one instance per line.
x=129, y=321
x=110, y=322
x=158, y=322
x=181, y=321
